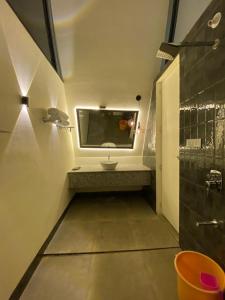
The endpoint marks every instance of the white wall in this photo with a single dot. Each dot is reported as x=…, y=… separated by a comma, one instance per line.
x=34, y=157
x=188, y=13
x=108, y=54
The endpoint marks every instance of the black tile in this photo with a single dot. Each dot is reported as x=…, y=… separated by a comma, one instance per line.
x=189, y=219
x=220, y=92
x=202, y=134
x=219, y=164
x=207, y=97
x=182, y=120
x=209, y=163
x=210, y=112
x=219, y=138
x=195, y=79
x=187, y=117
x=200, y=160
x=188, y=242
x=187, y=134
x=182, y=138
x=210, y=138
x=185, y=168
x=194, y=114
x=194, y=132
x=217, y=204
x=214, y=67
x=201, y=114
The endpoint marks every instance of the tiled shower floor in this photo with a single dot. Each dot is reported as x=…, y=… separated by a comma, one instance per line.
x=108, y=247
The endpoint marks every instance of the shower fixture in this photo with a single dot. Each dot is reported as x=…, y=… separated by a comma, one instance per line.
x=57, y=117
x=169, y=51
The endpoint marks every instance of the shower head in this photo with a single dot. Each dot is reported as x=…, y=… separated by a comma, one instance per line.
x=170, y=50
x=167, y=51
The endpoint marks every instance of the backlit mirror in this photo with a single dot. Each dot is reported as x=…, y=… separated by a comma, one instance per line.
x=106, y=128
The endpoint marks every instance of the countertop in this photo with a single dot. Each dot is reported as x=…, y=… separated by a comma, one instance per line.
x=120, y=168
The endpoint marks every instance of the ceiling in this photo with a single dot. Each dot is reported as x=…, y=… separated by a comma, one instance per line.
x=110, y=43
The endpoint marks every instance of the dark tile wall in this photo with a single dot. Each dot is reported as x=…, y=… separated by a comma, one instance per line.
x=202, y=115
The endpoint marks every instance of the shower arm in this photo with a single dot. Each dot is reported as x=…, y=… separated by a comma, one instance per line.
x=196, y=44
x=214, y=44
x=170, y=50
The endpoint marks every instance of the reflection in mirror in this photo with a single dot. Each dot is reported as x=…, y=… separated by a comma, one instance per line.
x=106, y=128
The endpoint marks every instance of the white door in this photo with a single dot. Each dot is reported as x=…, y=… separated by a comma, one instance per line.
x=170, y=92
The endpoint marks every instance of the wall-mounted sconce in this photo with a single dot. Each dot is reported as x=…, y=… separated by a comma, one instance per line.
x=57, y=117
x=169, y=51
x=25, y=100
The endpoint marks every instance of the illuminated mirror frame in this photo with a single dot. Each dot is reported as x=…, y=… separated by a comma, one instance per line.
x=111, y=109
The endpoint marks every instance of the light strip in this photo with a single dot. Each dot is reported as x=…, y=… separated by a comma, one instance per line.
x=111, y=108
x=100, y=148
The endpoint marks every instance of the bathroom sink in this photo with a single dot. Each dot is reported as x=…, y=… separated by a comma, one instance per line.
x=109, y=164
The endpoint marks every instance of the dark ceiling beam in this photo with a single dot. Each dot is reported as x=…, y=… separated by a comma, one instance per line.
x=173, y=21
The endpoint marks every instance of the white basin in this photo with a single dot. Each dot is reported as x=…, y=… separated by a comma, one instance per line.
x=109, y=164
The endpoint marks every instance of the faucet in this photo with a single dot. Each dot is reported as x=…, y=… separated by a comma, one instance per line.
x=214, y=180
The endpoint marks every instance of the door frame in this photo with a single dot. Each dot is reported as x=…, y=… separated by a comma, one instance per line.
x=159, y=95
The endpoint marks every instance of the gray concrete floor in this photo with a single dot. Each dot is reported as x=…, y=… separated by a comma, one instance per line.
x=111, y=223
x=129, y=253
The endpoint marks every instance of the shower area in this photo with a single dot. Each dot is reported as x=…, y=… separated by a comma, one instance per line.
x=195, y=167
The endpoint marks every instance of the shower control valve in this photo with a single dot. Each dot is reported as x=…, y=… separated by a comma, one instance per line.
x=214, y=180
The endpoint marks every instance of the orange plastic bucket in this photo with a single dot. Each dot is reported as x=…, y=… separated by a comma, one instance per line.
x=189, y=265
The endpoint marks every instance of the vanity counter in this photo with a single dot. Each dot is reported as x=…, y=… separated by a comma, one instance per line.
x=93, y=176
x=120, y=167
